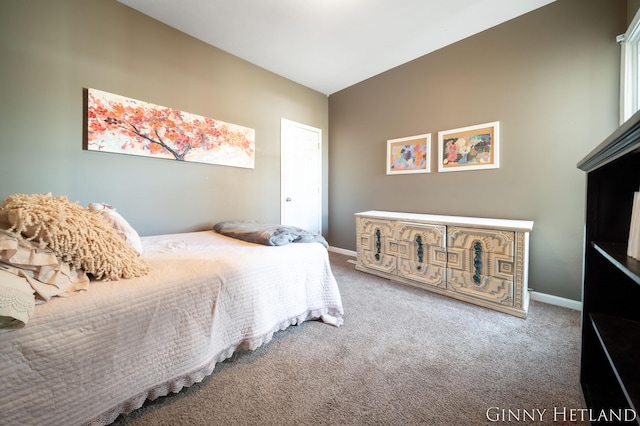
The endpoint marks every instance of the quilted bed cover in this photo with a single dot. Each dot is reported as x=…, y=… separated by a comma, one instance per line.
x=87, y=358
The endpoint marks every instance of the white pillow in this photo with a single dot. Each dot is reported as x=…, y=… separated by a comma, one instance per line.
x=118, y=223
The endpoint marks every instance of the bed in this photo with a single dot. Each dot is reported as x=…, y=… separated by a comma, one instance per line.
x=87, y=358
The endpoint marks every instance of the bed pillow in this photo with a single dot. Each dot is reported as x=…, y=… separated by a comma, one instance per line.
x=268, y=234
x=77, y=236
x=118, y=223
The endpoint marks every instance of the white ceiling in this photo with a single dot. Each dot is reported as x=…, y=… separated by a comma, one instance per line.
x=328, y=45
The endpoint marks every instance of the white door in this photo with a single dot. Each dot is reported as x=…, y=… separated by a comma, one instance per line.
x=301, y=169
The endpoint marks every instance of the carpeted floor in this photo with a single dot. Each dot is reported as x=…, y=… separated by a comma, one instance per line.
x=404, y=356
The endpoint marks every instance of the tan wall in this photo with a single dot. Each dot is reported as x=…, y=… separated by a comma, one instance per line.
x=632, y=9
x=51, y=50
x=550, y=77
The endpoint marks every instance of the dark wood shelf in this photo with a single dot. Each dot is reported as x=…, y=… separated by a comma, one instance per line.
x=610, y=355
x=620, y=339
x=602, y=397
x=616, y=253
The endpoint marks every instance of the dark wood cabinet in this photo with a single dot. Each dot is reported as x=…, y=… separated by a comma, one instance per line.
x=610, y=357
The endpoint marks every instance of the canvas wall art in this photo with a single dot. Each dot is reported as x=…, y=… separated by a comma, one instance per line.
x=409, y=155
x=469, y=148
x=123, y=125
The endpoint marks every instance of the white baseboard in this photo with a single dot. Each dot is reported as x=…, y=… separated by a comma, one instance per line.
x=343, y=251
x=555, y=300
x=534, y=295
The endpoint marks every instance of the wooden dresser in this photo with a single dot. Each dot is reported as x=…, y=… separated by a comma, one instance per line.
x=480, y=261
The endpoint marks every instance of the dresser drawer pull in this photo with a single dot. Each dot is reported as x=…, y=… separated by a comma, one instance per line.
x=378, y=245
x=420, y=250
x=477, y=261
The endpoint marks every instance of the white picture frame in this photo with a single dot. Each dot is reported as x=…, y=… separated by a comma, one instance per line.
x=469, y=148
x=411, y=154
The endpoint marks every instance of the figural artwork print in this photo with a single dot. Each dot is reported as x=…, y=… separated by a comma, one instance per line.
x=409, y=155
x=128, y=126
x=469, y=148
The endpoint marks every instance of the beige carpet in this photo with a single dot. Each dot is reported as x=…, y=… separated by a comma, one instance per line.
x=404, y=356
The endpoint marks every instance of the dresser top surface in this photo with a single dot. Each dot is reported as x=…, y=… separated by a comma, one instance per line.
x=476, y=222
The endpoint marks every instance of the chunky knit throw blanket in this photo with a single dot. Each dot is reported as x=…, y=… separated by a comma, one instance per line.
x=75, y=234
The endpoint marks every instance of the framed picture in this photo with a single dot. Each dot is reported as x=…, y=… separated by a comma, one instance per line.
x=409, y=155
x=118, y=124
x=469, y=148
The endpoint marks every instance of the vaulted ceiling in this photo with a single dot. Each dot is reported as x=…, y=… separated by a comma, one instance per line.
x=328, y=45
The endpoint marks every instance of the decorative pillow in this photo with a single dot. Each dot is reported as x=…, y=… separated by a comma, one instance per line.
x=118, y=223
x=76, y=235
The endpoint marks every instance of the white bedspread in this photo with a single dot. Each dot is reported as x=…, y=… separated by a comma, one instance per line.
x=87, y=358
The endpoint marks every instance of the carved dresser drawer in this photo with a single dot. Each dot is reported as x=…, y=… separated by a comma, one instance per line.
x=480, y=263
x=377, y=246
x=422, y=254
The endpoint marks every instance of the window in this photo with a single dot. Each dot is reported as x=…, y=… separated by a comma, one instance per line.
x=629, y=84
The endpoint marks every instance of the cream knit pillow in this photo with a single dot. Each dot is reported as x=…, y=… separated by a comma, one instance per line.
x=76, y=235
